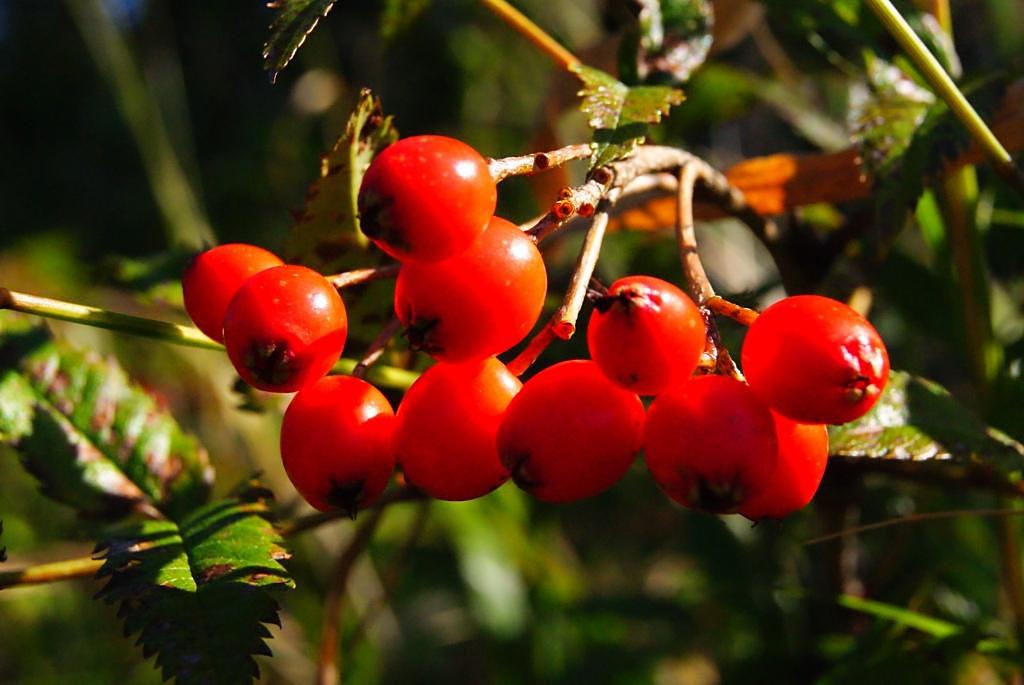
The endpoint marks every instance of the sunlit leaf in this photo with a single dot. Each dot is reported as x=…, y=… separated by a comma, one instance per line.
x=672, y=39
x=620, y=114
x=918, y=429
x=294, y=21
x=196, y=593
x=885, y=116
x=95, y=441
x=326, y=234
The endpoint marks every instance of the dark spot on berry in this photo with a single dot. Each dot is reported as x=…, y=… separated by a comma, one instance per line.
x=271, y=362
x=346, y=497
x=716, y=497
x=518, y=466
x=420, y=336
x=376, y=220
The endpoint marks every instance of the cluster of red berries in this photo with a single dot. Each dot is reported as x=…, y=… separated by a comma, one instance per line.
x=470, y=287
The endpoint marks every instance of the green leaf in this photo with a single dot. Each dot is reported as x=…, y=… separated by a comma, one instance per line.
x=885, y=118
x=917, y=429
x=673, y=39
x=620, y=114
x=93, y=439
x=326, y=234
x=936, y=140
x=197, y=593
x=399, y=15
x=295, y=20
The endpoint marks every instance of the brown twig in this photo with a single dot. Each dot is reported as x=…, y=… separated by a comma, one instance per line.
x=693, y=269
x=564, y=323
x=529, y=354
x=327, y=664
x=723, y=307
x=358, y=276
x=377, y=347
x=914, y=518
x=524, y=165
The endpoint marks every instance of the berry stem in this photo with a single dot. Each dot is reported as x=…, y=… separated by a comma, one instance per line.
x=693, y=268
x=377, y=347
x=564, y=323
x=723, y=307
x=529, y=354
x=68, y=569
x=533, y=33
x=944, y=86
x=525, y=165
x=360, y=276
x=328, y=661
x=102, y=318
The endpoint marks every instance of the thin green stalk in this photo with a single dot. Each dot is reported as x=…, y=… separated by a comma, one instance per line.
x=385, y=376
x=944, y=86
x=533, y=33
x=102, y=318
x=50, y=573
x=184, y=219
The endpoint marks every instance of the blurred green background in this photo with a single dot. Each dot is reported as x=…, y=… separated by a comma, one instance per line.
x=133, y=131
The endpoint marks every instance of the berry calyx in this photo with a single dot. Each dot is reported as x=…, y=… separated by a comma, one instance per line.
x=478, y=303
x=426, y=198
x=570, y=433
x=285, y=328
x=646, y=334
x=803, y=455
x=710, y=444
x=213, y=278
x=447, y=427
x=336, y=443
x=815, y=360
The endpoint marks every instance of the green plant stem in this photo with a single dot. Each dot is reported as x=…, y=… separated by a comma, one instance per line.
x=51, y=573
x=184, y=218
x=386, y=376
x=85, y=567
x=102, y=318
x=533, y=33
x=943, y=84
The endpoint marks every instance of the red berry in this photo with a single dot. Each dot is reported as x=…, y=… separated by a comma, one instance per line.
x=213, y=278
x=710, y=443
x=426, y=198
x=285, y=328
x=570, y=433
x=803, y=455
x=478, y=303
x=646, y=334
x=336, y=443
x=447, y=427
x=815, y=360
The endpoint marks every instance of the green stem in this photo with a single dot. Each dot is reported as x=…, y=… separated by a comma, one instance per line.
x=102, y=318
x=533, y=33
x=385, y=376
x=70, y=569
x=943, y=84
